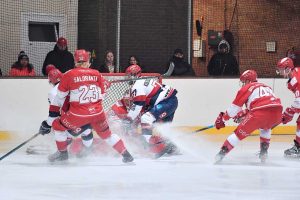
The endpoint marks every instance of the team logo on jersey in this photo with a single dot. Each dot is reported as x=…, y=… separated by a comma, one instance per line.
x=163, y=115
x=133, y=93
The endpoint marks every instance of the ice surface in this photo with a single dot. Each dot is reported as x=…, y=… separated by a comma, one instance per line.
x=191, y=175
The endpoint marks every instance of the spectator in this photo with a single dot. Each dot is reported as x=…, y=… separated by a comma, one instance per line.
x=22, y=67
x=0, y=72
x=60, y=57
x=294, y=55
x=109, y=64
x=133, y=60
x=223, y=63
x=178, y=67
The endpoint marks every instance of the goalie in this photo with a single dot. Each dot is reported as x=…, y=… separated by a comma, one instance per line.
x=155, y=103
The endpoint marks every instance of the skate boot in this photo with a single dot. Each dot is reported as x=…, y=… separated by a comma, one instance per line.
x=85, y=151
x=263, y=154
x=166, y=148
x=58, y=156
x=293, y=152
x=127, y=157
x=219, y=157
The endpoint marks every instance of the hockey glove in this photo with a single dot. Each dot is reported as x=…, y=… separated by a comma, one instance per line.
x=44, y=128
x=288, y=115
x=219, y=121
x=240, y=116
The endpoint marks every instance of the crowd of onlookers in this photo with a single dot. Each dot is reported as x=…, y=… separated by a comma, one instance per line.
x=222, y=63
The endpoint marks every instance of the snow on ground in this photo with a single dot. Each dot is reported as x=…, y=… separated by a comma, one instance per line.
x=191, y=175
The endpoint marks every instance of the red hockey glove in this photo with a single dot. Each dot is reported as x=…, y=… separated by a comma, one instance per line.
x=288, y=115
x=240, y=116
x=219, y=121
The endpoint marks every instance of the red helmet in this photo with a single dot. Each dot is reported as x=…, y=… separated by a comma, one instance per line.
x=248, y=75
x=61, y=41
x=285, y=63
x=133, y=71
x=49, y=68
x=54, y=76
x=81, y=55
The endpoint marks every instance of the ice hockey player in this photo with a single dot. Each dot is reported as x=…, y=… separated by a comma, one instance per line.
x=263, y=111
x=285, y=68
x=86, y=88
x=158, y=103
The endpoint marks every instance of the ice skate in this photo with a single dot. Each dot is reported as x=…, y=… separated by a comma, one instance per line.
x=219, y=157
x=127, y=158
x=165, y=150
x=58, y=156
x=293, y=152
x=263, y=154
x=85, y=151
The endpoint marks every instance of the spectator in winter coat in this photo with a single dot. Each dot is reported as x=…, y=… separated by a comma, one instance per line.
x=178, y=67
x=223, y=63
x=22, y=67
x=60, y=57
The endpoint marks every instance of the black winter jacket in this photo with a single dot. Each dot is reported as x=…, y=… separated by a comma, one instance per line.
x=62, y=60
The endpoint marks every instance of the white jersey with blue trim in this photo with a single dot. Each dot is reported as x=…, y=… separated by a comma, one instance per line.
x=147, y=92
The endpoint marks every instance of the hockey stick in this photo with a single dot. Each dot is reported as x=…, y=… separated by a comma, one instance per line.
x=203, y=129
x=19, y=146
x=134, y=79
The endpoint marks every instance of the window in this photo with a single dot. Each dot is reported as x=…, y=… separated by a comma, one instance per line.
x=43, y=31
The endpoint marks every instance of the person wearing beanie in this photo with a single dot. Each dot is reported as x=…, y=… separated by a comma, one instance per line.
x=22, y=67
x=60, y=57
x=177, y=66
x=223, y=63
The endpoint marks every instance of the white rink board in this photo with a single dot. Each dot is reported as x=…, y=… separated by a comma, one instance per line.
x=23, y=102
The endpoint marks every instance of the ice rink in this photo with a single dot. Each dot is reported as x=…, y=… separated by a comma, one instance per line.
x=190, y=175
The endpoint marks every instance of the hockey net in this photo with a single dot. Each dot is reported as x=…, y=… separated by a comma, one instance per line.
x=118, y=89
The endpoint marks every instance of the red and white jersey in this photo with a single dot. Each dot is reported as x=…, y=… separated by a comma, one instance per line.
x=255, y=96
x=52, y=93
x=85, y=87
x=293, y=84
x=148, y=92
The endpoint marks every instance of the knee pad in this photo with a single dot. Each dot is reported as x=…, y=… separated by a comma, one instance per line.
x=60, y=135
x=265, y=133
x=148, y=118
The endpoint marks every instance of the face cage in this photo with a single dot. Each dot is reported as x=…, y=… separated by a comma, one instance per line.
x=283, y=72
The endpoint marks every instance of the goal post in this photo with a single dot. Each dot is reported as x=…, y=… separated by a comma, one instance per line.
x=117, y=90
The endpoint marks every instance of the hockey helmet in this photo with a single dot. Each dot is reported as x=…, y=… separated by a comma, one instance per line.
x=81, y=55
x=54, y=76
x=284, y=66
x=62, y=42
x=248, y=76
x=133, y=71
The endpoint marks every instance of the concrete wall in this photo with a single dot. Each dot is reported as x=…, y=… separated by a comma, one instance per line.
x=23, y=102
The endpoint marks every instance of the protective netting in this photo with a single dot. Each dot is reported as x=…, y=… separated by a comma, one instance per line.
x=33, y=26
x=117, y=90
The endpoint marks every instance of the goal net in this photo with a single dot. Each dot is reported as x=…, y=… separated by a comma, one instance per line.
x=118, y=89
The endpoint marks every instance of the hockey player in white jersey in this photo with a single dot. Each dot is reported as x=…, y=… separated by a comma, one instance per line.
x=158, y=103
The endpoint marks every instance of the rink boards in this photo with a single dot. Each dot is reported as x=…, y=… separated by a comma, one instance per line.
x=24, y=104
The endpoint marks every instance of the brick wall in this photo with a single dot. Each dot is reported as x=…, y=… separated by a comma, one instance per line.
x=253, y=23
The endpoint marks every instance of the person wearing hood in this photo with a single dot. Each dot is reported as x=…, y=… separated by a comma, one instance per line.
x=223, y=63
x=177, y=66
x=60, y=57
x=22, y=67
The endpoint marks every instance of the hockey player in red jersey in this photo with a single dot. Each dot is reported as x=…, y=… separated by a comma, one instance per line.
x=285, y=68
x=86, y=88
x=85, y=132
x=158, y=103
x=263, y=111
